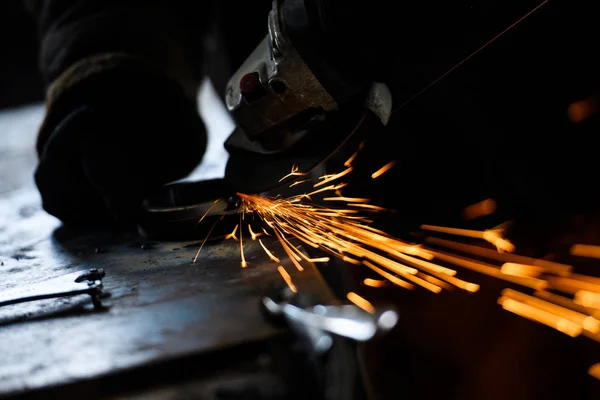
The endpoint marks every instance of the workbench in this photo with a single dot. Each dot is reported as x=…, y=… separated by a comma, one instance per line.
x=172, y=328
x=165, y=318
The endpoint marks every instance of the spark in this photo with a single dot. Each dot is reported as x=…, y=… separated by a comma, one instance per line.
x=383, y=169
x=351, y=159
x=369, y=206
x=206, y=238
x=435, y=281
x=333, y=230
x=588, y=299
x=243, y=263
x=361, y=302
x=332, y=187
x=585, y=250
x=287, y=278
x=343, y=232
x=523, y=270
x=333, y=177
x=207, y=211
x=473, y=54
x=299, y=182
x=595, y=371
x=289, y=252
x=347, y=199
x=271, y=256
x=376, y=283
x=490, y=270
x=293, y=173
x=581, y=110
x=394, y=279
x=584, y=321
x=543, y=317
x=490, y=235
x=566, y=302
x=571, y=286
x=232, y=234
x=254, y=235
x=481, y=209
x=548, y=266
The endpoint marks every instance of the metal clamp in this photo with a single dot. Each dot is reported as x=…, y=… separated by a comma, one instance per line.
x=76, y=283
x=318, y=323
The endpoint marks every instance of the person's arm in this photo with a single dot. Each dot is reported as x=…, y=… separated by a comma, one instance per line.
x=122, y=79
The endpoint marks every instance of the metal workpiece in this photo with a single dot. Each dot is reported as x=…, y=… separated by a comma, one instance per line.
x=318, y=322
x=75, y=283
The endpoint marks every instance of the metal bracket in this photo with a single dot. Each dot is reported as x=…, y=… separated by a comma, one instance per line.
x=318, y=323
x=73, y=284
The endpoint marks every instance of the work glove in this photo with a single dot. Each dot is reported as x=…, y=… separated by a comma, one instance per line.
x=111, y=139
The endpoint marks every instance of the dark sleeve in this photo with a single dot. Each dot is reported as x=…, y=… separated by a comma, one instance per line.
x=164, y=33
x=93, y=47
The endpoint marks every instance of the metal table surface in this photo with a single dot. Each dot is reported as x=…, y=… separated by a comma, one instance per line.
x=166, y=314
x=161, y=307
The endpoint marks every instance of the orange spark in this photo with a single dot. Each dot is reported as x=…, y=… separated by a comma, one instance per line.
x=287, y=278
x=350, y=260
x=289, y=252
x=330, y=187
x=473, y=54
x=374, y=283
x=571, y=286
x=490, y=270
x=543, y=317
x=361, y=302
x=548, y=266
x=585, y=321
x=566, y=302
x=481, y=209
x=254, y=235
x=207, y=211
x=349, y=161
x=585, y=250
x=581, y=110
x=369, y=206
x=299, y=182
x=293, y=173
x=271, y=256
x=595, y=371
x=394, y=279
x=492, y=236
x=521, y=270
x=243, y=263
x=347, y=199
x=587, y=299
x=383, y=169
x=435, y=281
x=232, y=234
x=332, y=177
x=206, y=238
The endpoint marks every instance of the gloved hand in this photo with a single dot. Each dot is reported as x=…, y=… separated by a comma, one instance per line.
x=112, y=140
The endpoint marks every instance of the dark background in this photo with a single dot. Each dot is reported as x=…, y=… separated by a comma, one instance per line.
x=20, y=81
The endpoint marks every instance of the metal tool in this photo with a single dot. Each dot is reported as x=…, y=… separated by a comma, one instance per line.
x=318, y=324
x=176, y=211
x=292, y=106
x=80, y=282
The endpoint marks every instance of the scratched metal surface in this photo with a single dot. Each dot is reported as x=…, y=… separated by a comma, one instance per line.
x=161, y=306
